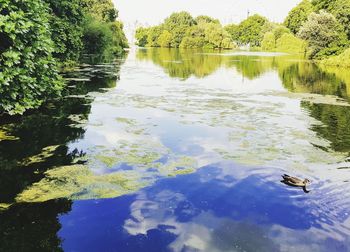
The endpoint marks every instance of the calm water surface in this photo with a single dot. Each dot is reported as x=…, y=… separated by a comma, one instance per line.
x=168, y=150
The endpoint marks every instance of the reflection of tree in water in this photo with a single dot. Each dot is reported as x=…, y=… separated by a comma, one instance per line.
x=308, y=78
x=39, y=144
x=297, y=75
x=182, y=63
x=32, y=227
x=252, y=67
x=185, y=63
x=335, y=124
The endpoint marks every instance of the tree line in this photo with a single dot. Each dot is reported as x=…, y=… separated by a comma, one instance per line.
x=181, y=30
x=40, y=37
x=318, y=28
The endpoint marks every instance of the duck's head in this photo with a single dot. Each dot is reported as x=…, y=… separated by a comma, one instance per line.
x=306, y=181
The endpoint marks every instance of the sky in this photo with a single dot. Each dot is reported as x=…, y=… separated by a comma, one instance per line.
x=152, y=12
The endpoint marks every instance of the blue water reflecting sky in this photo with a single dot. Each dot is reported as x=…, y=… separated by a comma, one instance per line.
x=184, y=152
x=221, y=207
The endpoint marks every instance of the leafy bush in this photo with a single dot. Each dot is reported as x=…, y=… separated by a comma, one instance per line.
x=269, y=42
x=289, y=43
x=342, y=60
x=98, y=38
x=28, y=73
x=325, y=35
x=279, y=31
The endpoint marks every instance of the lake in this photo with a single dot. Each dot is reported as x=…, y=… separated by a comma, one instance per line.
x=170, y=150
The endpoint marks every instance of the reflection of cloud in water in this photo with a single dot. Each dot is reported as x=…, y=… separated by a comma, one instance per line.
x=239, y=119
x=235, y=217
x=196, y=122
x=196, y=230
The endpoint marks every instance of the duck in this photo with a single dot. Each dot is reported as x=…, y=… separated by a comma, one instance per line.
x=296, y=182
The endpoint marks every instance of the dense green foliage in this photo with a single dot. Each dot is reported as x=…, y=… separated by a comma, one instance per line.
x=298, y=15
x=250, y=31
x=342, y=60
x=102, y=10
x=207, y=35
x=141, y=36
x=66, y=27
x=289, y=43
x=269, y=42
x=280, y=39
x=182, y=30
x=339, y=8
x=28, y=72
x=38, y=35
x=98, y=38
x=325, y=35
x=178, y=24
x=307, y=30
x=233, y=31
x=165, y=39
x=286, y=43
x=102, y=33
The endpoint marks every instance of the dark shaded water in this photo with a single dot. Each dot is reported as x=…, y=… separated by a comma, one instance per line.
x=171, y=150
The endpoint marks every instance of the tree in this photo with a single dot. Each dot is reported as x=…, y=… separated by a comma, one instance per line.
x=207, y=35
x=216, y=36
x=164, y=39
x=279, y=31
x=339, y=8
x=98, y=38
x=66, y=25
x=103, y=34
x=298, y=15
x=250, y=30
x=195, y=37
x=119, y=39
x=206, y=19
x=325, y=35
x=178, y=23
x=103, y=10
x=141, y=36
x=269, y=42
x=291, y=44
x=28, y=73
x=233, y=31
x=153, y=35
x=181, y=30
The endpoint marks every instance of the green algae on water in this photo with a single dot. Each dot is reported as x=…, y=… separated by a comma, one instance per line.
x=5, y=136
x=46, y=153
x=78, y=182
x=4, y=206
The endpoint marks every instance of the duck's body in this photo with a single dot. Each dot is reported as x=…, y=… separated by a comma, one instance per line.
x=296, y=182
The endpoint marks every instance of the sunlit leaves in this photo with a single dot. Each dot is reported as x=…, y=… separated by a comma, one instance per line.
x=28, y=73
x=325, y=35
